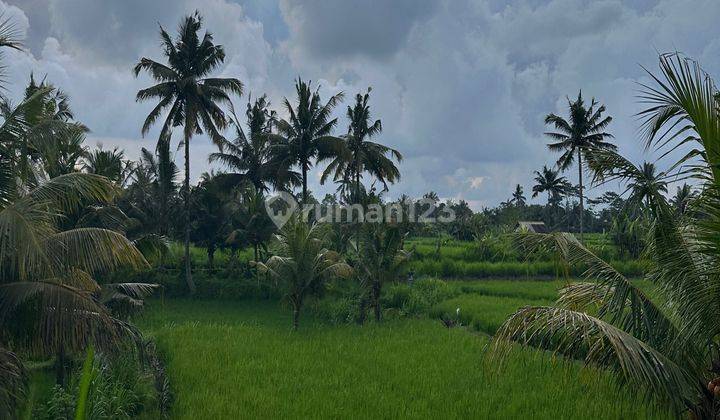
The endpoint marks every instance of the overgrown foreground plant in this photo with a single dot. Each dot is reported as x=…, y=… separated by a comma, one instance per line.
x=665, y=344
x=302, y=263
x=50, y=302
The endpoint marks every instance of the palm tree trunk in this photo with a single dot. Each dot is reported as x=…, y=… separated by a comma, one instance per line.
x=164, y=208
x=376, y=301
x=362, y=310
x=188, y=274
x=357, y=198
x=304, y=177
x=296, y=318
x=211, y=256
x=357, y=181
x=163, y=212
x=582, y=210
x=61, y=366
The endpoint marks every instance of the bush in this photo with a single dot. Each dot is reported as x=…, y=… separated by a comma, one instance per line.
x=232, y=283
x=337, y=310
x=119, y=389
x=433, y=290
x=416, y=299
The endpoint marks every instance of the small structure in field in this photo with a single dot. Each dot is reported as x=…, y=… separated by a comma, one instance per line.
x=534, y=227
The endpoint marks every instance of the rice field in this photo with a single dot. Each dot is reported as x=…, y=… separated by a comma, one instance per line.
x=240, y=360
x=499, y=259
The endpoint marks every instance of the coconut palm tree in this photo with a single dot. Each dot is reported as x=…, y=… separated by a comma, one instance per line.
x=684, y=195
x=549, y=181
x=55, y=106
x=189, y=96
x=10, y=38
x=56, y=140
x=143, y=199
x=307, y=133
x=154, y=188
x=645, y=185
x=359, y=154
x=518, y=196
x=382, y=260
x=578, y=134
x=64, y=152
x=251, y=155
x=35, y=138
x=302, y=263
x=12, y=382
x=683, y=111
x=667, y=347
x=109, y=163
x=252, y=223
x=49, y=300
x=211, y=210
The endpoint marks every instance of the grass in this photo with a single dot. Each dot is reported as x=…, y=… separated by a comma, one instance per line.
x=198, y=255
x=499, y=258
x=526, y=289
x=483, y=313
x=240, y=360
x=448, y=268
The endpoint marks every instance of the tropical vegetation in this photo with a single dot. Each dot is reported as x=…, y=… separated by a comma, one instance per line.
x=255, y=295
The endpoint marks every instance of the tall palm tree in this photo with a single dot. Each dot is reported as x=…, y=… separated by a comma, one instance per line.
x=684, y=195
x=55, y=106
x=109, y=163
x=64, y=152
x=302, y=263
x=211, y=210
x=549, y=181
x=161, y=173
x=577, y=135
x=644, y=183
x=191, y=98
x=252, y=154
x=359, y=154
x=307, y=133
x=150, y=196
x=38, y=136
x=667, y=347
x=518, y=196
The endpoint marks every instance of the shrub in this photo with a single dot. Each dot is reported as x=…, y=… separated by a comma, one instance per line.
x=119, y=389
x=433, y=290
x=231, y=283
x=417, y=299
x=337, y=310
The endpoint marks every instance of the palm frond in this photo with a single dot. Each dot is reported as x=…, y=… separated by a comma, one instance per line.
x=578, y=335
x=13, y=379
x=624, y=303
x=94, y=250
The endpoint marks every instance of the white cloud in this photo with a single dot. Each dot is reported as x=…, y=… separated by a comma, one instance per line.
x=476, y=182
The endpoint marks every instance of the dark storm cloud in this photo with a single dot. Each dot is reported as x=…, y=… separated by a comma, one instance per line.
x=109, y=30
x=375, y=28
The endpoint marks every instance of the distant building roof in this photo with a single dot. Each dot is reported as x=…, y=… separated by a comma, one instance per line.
x=535, y=227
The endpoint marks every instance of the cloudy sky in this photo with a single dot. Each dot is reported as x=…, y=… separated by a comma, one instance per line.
x=461, y=86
